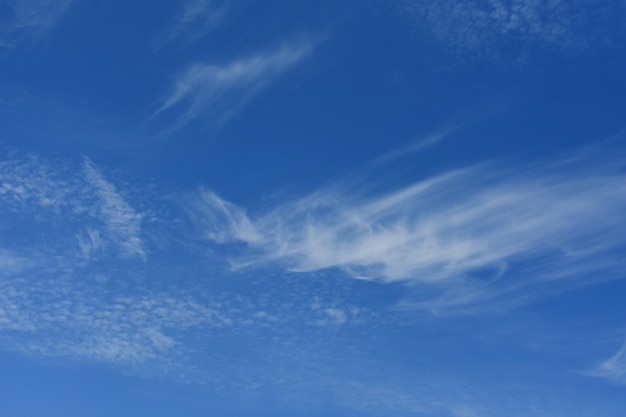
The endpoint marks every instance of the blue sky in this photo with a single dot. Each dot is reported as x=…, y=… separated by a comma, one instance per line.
x=312, y=208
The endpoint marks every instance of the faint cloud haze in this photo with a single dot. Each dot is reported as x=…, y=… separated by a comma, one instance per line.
x=31, y=18
x=195, y=19
x=612, y=369
x=503, y=30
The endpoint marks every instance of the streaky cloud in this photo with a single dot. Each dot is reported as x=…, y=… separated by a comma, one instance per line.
x=235, y=224
x=469, y=235
x=217, y=92
x=123, y=222
x=195, y=19
x=417, y=146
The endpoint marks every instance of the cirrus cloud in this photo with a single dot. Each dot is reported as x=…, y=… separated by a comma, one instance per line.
x=472, y=234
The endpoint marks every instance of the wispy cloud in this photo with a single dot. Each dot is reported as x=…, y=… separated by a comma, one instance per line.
x=464, y=233
x=90, y=242
x=612, y=369
x=233, y=220
x=417, y=146
x=506, y=29
x=31, y=18
x=123, y=223
x=195, y=20
x=216, y=92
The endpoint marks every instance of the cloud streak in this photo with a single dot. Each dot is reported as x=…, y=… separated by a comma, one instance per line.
x=466, y=232
x=123, y=223
x=418, y=146
x=216, y=92
x=195, y=20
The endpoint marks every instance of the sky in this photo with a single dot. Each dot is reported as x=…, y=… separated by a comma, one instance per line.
x=312, y=208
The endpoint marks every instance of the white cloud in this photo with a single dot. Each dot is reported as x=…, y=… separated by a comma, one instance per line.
x=216, y=92
x=90, y=242
x=223, y=221
x=463, y=232
x=64, y=293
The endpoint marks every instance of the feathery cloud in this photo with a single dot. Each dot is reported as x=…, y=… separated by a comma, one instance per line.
x=216, y=92
x=464, y=232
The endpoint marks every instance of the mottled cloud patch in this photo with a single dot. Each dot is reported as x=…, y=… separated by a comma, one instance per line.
x=30, y=184
x=114, y=321
x=54, y=202
x=507, y=30
x=61, y=318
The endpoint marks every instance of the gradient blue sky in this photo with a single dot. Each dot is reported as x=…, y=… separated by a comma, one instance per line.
x=312, y=208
